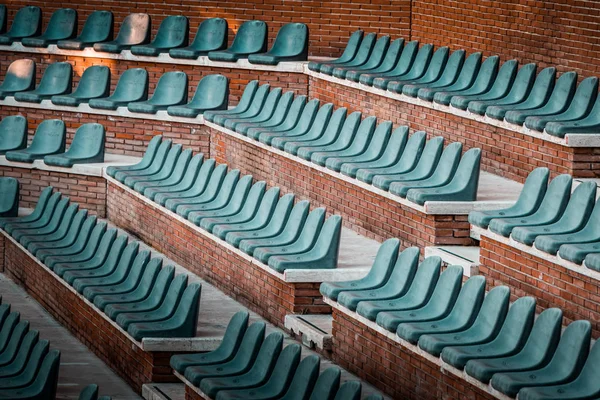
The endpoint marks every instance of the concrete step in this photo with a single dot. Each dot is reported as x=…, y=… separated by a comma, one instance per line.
x=163, y=391
x=315, y=330
x=465, y=256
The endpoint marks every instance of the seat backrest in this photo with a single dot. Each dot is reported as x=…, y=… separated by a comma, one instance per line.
x=581, y=203
x=487, y=74
x=430, y=156
x=572, y=350
x=304, y=379
x=13, y=132
x=591, y=369
x=212, y=35
x=352, y=46
x=349, y=390
x=452, y=68
x=466, y=178
x=469, y=71
x=327, y=384
x=505, y=78
x=89, y=392
x=98, y=27
x=234, y=333
x=542, y=87
x=448, y=287
x=173, y=31
x=493, y=311
x=291, y=40
x=27, y=22
x=57, y=79
x=135, y=29
x=88, y=141
x=95, y=82
x=365, y=49
x=544, y=337
x=49, y=138
x=392, y=54
x=62, y=25
x=379, y=50
x=583, y=99
x=46, y=381
x=534, y=190
x=251, y=37
x=425, y=280
x=9, y=197
x=284, y=369
x=523, y=83
x=247, y=96
x=415, y=147
x=311, y=228
x=407, y=58
x=421, y=62
x=557, y=196
x=437, y=63
x=563, y=92
x=19, y=76
x=384, y=262
x=396, y=145
x=171, y=88
x=212, y=92
x=404, y=271
x=469, y=301
x=132, y=86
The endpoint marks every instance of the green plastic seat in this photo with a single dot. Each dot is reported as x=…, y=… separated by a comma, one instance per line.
x=304, y=379
x=565, y=365
x=449, y=73
x=333, y=140
x=261, y=110
x=577, y=252
x=212, y=93
x=291, y=44
x=178, y=181
x=94, y=83
x=536, y=352
x=422, y=177
x=63, y=236
x=559, y=100
x=462, y=187
x=484, y=329
x=98, y=27
x=50, y=220
x=423, y=307
x=388, y=157
x=537, y=97
x=279, y=123
x=207, y=186
x=314, y=117
x=327, y=385
x=26, y=23
x=362, y=55
x=14, y=357
x=481, y=84
x=29, y=352
x=349, y=390
x=250, y=349
x=172, y=32
x=592, y=261
x=375, y=58
x=171, y=90
x=396, y=286
x=468, y=73
x=173, y=178
x=383, y=266
x=322, y=132
x=49, y=138
x=62, y=25
x=44, y=384
x=212, y=194
x=20, y=77
x=236, y=329
x=574, y=218
x=8, y=327
x=250, y=38
x=401, y=67
x=73, y=243
x=500, y=87
x=579, y=107
x=588, y=124
x=268, y=221
x=43, y=218
x=13, y=342
x=242, y=106
x=415, y=295
x=144, y=163
x=432, y=73
x=461, y=315
x=416, y=71
x=56, y=80
x=191, y=188
x=135, y=30
x=81, y=251
x=371, y=149
x=510, y=339
x=211, y=36
x=389, y=60
x=87, y=147
x=140, y=181
x=515, y=94
x=348, y=54
x=529, y=200
x=132, y=87
x=268, y=117
x=425, y=166
x=154, y=167
x=66, y=214
x=9, y=197
x=298, y=121
x=256, y=100
x=585, y=386
x=550, y=210
x=90, y=392
x=406, y=162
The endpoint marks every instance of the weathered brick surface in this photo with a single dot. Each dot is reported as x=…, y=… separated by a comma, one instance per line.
x=551, y=284
x=260, y=291
x=134, y=365
x=88, y=191
x=124, y=135
x=190, y=394
x=392, y=368
x=504, y=152
x=365, y=212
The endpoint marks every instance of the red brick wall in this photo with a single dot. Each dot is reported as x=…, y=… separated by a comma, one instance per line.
x=551, y=284
x=505, y=152
x=330, y=23
x=88, y=191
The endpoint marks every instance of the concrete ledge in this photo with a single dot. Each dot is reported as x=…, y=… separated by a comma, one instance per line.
x=570, y=140
x=465, y=256
x=126, y=55
x=314, y=330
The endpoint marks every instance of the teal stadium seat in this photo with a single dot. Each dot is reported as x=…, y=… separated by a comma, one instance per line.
x=401, y=67
x=43, y=385
x=167, y=176
x=211, y=36
x=433, y=72
x=87, y=147
x=49, y=138
x=584, y=125
x=131, y=87
x=416, y=70
x=94, y=83
x=98, y=27
x=35, y=214
x=464, y=80
x=135, y=30
x=312, y=115
x=291, y=44
x=449, y=74
x=143, y=164
x=348, y=54
x=13, y=133
x=171, y=90
x=375, y=58
x=324, y=130
x=279, y=125
x=361, y=55
x=251, y=38
x=376, y=66
x=242, y=106
x=177, y=184
x=26, y=23
x=212, y=93
x=57, y=80
x=9, y=197
x=20, y=77
x=62, y=25
x=173, y=32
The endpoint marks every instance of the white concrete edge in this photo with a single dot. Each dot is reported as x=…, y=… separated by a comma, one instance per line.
x=95, y=169
x=570, y=140
x=155, y=344
x=290, y=276
x=163, y=58
x=151, y=392
x=531, y=250
x=294, y=324
x=415, y=349
x=191, y=385
x=470, y=267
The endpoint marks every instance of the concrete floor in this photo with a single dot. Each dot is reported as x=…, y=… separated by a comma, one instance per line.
x=79, y=367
